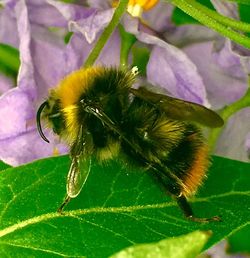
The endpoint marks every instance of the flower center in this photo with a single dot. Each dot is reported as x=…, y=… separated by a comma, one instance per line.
x=136, y=7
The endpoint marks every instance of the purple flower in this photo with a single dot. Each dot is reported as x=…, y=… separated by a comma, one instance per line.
x=223, y=71
x=182, y=61
x=224, y=67
x=247, y=144
x=168, y=67
x=5, y=84
x=235, y=60
x=45, y=59
x=221, y=251
x=205, y=68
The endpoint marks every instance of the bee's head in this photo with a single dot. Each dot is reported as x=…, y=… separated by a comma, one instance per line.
x=49, y=111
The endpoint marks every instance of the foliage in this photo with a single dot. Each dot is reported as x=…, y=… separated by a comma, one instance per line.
x=116, y=209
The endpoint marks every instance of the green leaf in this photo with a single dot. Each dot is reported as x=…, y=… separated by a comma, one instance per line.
x=186, y=246
x=211, y=19
x=246, y=2
x=239, y=241
x=244, y=11
x=9, y=58
x=3, y=166
x=68, y=37
x=116, y=209
x=180, y=18
x=140, y=58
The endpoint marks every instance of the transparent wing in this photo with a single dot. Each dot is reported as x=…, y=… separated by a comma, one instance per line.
x=78, y=175
x=180, y=109
x=80, y=166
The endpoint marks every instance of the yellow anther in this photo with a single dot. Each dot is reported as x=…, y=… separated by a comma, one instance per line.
x=135, y=10
x=145, y=4
x=56, y=152
x=136, y=7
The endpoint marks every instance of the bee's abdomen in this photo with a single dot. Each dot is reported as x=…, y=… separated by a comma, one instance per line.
x=189, y=161
x=171, y=146
x=150, y=132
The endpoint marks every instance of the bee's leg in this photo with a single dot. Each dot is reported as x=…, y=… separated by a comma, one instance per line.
x=169, y=183
x=187, y=210
x=65, y=202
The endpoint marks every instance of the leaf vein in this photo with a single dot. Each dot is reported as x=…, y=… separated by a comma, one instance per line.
x=122, y=209
x=38, y=249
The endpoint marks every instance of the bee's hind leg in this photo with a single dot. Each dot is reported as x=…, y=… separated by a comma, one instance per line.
x=188, y=212
x=65, y=202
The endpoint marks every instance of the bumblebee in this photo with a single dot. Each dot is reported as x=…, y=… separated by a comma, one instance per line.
x=99, y=114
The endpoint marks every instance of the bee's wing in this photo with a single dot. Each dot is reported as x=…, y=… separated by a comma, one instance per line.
x=179, y=109
x=80, y=166
x=78, y=174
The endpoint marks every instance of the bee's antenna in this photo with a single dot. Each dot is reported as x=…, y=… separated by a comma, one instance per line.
x=38, y=120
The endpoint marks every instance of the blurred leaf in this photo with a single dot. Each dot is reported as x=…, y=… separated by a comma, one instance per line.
x=244, y=11
x=180, y=18
x=9, y=58
x=186, y=246
x=239, y=241
x=115, y=209
x=3, y=166
x=246, y=2
x=68, y=1
x=140, y=58
x=68, y=37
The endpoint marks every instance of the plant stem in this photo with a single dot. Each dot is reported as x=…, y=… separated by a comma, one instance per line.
x=234, y=24
x=121, y=8
x=241, y=1
x=226, y=113
x=192, y=8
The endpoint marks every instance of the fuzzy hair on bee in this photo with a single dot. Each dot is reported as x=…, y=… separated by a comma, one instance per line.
x=99, y=114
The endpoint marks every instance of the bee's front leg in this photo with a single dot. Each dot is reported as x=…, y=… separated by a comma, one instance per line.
x=65, y=202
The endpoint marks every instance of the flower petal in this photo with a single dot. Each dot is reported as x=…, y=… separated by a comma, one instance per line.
x=159, y=17
x=26, y=72
x=233, y=139
x=243, y=54
x=67, y=11
x=26, y=148
x=5, y=84
x=223, y=85
x=91, y=26
x=15, y=110
x=227, y=60
x=42, y=57
x=170, y=68
x=78, y=50
x=99, y=4
x=247, y=145
x=185, y=35
x=8, y=23
x=226, y=9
